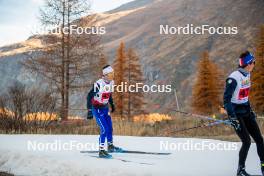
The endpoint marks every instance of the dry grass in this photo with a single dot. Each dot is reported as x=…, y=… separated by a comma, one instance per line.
x=6, y=112
x=152, y=118
x=44, y=116
x=148, y=128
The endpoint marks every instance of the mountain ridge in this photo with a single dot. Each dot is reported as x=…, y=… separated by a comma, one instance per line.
x=171, y=59
x=131, y=5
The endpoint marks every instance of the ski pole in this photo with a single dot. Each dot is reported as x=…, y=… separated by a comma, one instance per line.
x=199, y=126
x=202, y=117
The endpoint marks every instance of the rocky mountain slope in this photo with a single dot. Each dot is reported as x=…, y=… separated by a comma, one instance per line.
x=166, y=59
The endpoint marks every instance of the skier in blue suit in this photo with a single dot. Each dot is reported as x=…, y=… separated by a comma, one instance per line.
x=98, y=100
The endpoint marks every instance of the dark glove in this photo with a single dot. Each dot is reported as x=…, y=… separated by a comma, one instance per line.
x=234, y=123
x=112, y=108
x=89, y=114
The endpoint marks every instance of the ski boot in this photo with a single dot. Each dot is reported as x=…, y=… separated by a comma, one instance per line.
x=112, y=148
x=104, y=154
x=262, y=168
x=241, y=171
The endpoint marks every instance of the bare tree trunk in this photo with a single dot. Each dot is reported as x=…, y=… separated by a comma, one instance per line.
x=129, y=93
x=62, y=91
x=67, y=59
x=67, y=65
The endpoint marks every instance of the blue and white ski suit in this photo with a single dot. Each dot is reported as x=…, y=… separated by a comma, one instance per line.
x=98, y=100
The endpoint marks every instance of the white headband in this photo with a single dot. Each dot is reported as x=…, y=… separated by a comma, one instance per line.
x=107, y=70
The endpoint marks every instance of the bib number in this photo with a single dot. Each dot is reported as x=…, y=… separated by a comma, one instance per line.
x=105, y=96
x=243, y=93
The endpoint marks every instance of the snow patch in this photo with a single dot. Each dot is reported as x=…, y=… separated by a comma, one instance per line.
x=16, y=158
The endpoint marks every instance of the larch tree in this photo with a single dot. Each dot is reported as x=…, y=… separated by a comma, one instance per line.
x=98, y=66
x=120, y=66
x=102, y=61
x=206, y=96
x=135, y=100
x=257, y=89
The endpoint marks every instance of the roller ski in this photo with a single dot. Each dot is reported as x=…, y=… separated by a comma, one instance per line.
x=104, y=154
x=113, y=149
